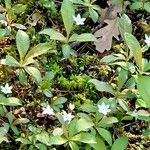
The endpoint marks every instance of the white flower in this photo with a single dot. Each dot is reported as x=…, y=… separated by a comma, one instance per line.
x=104, y=109
x=67, y=117
x=78, y=20
x=71, y=106
x=48, y=111
x=147, y=40
x=6, y=89
x=3, y=61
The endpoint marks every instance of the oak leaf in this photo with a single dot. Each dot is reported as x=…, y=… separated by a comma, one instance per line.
x=105, y=35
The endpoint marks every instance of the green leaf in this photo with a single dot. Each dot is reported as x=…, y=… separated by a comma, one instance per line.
x=2, y=33
x=34, y=72
x=23, y=43
x=96, y=7
x=112, y=58
x=88, y=108
x=123, y=104
x=84, y=37
x=73, y=146
x=72, y=127
x=19, y=8
x=15, y=129
x=108, y=120
x=66, y=49
x=60, y=100
x=57, y=140
x=146, y=132
x=136, y=5
x=41, y=146
x=83, y=124
x=105, y=134
x=141, y=103
x=10, y=117
x=47, y=93
x=21, y=121
x=125, y=25
x=143, y=83
x=4, y=129
x=67, y=15
x=37, y=50
x=93, y=15
x=84, y=138
x=54, y=35
x=147, y=6
x=23, y=140
x=8, y=4
x=18, y=26
x=102, y=86
x=122, y=78
x=135, y=48
x=11, y=61
x=11, y=101
x=43, y=137
x=120, y=144
x=145, y=65
x=22, y=77
x=99, y=145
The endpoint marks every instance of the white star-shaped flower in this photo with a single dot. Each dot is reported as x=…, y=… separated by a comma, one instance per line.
x=67, y=116
x=6, y=89
x=104, y=109
x=71, y=106
x=147, y=40
x=78, y=20
x=48, y=111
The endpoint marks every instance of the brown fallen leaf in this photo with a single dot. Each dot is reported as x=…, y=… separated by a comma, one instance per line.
x=106, y=34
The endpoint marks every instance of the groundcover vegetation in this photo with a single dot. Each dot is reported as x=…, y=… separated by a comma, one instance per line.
x=74, y=75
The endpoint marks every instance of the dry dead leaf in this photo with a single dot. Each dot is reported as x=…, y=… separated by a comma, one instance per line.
x=105, y=34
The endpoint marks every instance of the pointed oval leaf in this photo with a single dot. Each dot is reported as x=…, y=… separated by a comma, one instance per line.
x=34, y=72
x=57, y=140
x=135, y=48
x=125, y=25
x=21, y=121
x=54, y=35
x=11, y=101
x=122, y=78
x=37, y=50
x=102, y=86
x=93, y=14
x=23, y=43
x=43, y=137
x=11, y=61
x=108, y=120
x=84, y=37
x=83, y=124
x=67, y=12
x=143, y=83
x=120, y=144
x=84, y=138
x=73, y=146
x=105, y=134
x=99, y=145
